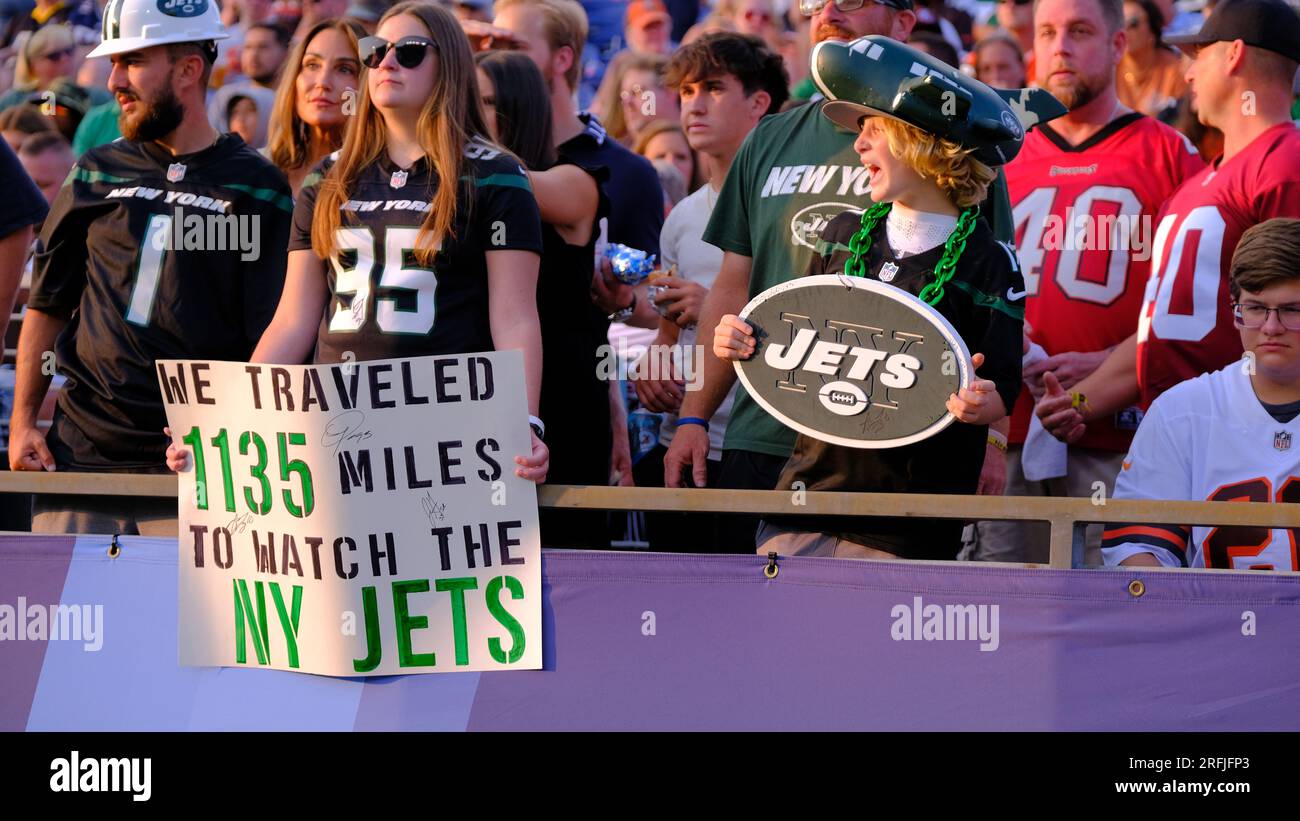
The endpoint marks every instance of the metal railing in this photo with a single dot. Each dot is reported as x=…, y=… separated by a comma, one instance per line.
x=1067, y=517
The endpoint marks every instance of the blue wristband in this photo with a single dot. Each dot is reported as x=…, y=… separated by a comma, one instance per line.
x=693, y=420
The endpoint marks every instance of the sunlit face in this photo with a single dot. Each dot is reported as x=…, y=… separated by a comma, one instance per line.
x=653, y=37
x=891, y=178
x=488, y=96
x=754, y=17
x=1015, y=17
x=329, y=71
x=54, y=64
x=1000, y=66
x=644, y=98
x=393, y=87
x=261, y=56
x=1276, y=350
x=49, y=169
x=671, y=147
x=1207, y=82
x=831, y=23
x=1140, y=36
x=243, y=120
x=527, y=22
x=143, y=83
x=1075, y=56
x=717, y=114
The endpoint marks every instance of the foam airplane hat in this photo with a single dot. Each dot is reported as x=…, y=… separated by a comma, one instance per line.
x=877, y=75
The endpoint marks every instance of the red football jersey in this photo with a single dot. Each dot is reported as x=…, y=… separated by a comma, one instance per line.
x=1186, y=327
x=1085, y=225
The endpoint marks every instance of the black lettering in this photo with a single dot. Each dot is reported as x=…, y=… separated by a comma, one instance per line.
x=443, y=380
x=376, y=554
x=173, y=386
x=198, y=531
x=470, y=545
x=446, y=462
x=351, y=572
x=507, y=541
x=353, y=474
x=407, y=395
x=289, y=556
x=217, y=535
x=377, y=387
x=485, y=393
x=312, y=391
x=280, y=384
x=388, y=468
x=348, y=394
x=254, y=372
x=495, y=472
x=314, y=542
x=265, y=553
x=443, y=534
x=200, y=383
x=413, y=481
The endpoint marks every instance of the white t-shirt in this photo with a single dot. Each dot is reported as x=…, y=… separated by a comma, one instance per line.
x=1209, y=439
x=680, y=242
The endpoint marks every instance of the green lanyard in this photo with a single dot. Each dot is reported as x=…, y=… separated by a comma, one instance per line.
x=952, y=249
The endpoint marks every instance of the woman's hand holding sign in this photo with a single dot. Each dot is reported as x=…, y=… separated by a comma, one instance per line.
x=979, y=403
x=732, y=339
x=534, y=466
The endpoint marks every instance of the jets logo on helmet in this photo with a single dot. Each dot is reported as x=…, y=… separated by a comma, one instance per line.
x=130, y=25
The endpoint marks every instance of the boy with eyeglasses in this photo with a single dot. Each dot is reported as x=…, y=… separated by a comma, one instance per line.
x=1232, y=435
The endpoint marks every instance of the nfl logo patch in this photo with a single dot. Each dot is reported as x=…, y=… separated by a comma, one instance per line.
x=1282, y=440
x=398, y=179
x=887, y=271
x=175, y=172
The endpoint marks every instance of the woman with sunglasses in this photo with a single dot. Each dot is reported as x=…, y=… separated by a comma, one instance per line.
x=1150, y=75
x=47, y=58
x=418, y=201
x=308, y=117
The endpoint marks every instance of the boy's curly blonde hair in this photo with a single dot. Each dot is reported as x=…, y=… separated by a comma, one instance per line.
x=963, y=179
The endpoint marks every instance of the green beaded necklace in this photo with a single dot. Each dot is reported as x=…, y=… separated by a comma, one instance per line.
x=952, y=249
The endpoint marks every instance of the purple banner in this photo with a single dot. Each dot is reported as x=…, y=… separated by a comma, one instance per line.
x=659, y=642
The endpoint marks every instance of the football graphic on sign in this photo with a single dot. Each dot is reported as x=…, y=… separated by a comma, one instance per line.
x=853, y=361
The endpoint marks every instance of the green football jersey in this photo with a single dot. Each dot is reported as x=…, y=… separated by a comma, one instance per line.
x=795, y=173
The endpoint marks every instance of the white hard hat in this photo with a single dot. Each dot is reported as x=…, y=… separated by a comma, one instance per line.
x=135, y=24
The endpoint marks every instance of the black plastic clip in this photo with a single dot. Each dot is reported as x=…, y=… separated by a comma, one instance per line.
x=770, y=570
x=114, y=549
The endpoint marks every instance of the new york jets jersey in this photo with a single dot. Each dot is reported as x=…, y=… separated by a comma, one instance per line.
x=151, y=256
x=1210, y=439
x=383, y=302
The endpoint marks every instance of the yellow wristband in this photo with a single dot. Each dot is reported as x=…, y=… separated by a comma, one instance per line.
x=1079, y=402
x=998, y=442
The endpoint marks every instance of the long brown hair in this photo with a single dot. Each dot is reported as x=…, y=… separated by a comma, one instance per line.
x=289, y=145
x=451, y=117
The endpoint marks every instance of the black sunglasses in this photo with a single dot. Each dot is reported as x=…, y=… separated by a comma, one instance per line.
x=410, y=50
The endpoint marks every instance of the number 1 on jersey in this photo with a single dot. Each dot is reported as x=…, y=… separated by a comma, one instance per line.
x=149, y=269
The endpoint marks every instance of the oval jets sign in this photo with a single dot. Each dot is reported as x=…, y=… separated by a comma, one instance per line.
x=853, y=361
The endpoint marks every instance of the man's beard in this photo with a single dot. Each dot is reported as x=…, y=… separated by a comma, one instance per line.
x=1081, y=92
x=161, y=117
x=830, y=31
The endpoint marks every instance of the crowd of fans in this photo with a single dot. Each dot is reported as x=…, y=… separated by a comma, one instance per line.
x=653, y=124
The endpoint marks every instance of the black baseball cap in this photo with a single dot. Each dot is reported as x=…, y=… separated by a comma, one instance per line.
x=1268, y=24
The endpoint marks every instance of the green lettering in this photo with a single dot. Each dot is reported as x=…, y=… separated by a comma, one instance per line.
x=257, y=622
x=507, y=621
x=374, y=649
x=406, y=623
x=457, y=588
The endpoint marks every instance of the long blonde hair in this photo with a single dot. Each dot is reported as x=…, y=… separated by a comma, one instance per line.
x=962, y=178
x=451, y=117
x=289, y=145
x=42, y=41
